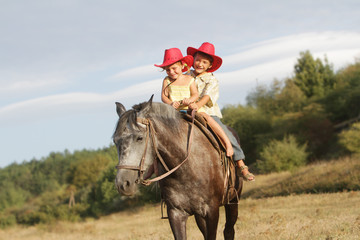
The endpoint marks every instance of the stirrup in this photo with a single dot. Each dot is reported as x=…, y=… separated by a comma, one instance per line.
x=163, y=206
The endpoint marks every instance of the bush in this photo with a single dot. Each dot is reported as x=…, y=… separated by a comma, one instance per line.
x=350, y=138
x=282, y=155
x=7, y=220
x=30, y=217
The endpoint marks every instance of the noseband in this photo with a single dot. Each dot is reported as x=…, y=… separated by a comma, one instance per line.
x=150, y=131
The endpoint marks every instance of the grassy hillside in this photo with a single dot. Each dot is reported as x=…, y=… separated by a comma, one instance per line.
x=275, y=206
x=306, y=216
x=322, y=177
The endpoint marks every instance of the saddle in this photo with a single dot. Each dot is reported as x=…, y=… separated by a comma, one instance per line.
x=226, y=162
x=202, y=124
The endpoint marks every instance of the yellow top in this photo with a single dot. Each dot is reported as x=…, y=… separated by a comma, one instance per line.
x=179, y=92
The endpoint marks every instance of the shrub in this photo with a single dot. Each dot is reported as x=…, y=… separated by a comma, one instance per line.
x=7, y=220
x=282, y=155
x=350, y=138
x=31, y=217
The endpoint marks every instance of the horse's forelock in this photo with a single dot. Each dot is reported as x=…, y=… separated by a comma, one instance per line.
x=126, y=119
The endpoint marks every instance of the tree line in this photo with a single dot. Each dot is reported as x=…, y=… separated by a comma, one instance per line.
x=300, y=119
x=310, y=116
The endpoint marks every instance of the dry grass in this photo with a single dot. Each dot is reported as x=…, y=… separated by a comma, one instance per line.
x=327, y=216
x=308, y=216
x=322, y=177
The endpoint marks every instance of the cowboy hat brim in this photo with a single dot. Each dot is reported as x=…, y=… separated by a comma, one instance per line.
x=188, y=60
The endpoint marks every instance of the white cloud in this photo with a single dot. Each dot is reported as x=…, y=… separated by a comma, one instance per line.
x=143, y=71
x=18, y=87
x=290, y=46
x=73, y=103
x=269, y=60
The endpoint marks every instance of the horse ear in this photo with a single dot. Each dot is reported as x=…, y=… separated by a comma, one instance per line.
x=146, y=106
x=151, y=99
x=120, y=109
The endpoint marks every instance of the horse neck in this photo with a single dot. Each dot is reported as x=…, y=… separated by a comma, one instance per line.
x=171, y=137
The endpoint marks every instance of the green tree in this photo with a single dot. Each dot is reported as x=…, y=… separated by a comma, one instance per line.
x=86, y=171
x=343, y=103
x=263, y=97
x=12, y=195
x=279, y=98
x=350, y=138
x=312, y=76
x=252, y=127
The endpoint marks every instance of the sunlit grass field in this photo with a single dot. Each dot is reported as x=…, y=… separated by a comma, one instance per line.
x=308, y=216
x=284, y=215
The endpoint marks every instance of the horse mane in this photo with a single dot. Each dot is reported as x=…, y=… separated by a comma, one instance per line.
x=160, y=111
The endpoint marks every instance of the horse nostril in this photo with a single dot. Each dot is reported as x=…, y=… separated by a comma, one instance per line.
x=126, y=185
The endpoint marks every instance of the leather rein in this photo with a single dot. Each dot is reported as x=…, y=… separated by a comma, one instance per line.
x=150, y=132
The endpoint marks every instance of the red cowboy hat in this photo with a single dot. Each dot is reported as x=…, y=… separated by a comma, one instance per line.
x=208, y=49
x=174, y=55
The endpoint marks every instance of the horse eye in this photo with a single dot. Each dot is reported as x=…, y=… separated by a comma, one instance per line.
x=139, y=139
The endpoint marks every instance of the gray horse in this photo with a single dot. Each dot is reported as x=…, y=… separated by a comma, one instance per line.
x=191, y=174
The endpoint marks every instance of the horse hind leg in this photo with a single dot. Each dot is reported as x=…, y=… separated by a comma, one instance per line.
x=231, y=212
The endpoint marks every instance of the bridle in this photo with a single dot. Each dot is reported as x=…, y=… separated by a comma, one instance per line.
x=150, y=132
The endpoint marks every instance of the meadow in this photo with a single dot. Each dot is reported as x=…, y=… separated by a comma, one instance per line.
x=284, y=215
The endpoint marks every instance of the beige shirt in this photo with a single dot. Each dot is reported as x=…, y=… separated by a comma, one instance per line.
x=207, y=84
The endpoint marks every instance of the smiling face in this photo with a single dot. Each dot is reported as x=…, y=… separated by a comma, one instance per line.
x=174, y=71
x=202, y=62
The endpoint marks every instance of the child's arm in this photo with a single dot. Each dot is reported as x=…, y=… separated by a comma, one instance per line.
x=194, y=95
x=165, y=95
x=203, y=101
x=211, y=94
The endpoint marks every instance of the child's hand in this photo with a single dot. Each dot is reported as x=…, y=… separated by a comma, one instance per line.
x=186, y=101
x=193, y=106
x=175, y=104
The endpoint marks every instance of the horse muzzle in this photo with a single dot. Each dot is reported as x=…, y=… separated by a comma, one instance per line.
x=126, y=183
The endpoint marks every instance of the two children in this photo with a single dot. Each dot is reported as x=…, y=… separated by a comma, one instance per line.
x=179, y=90
x=182, y=92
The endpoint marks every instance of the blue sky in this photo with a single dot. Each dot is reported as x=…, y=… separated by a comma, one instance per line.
x=63, y=63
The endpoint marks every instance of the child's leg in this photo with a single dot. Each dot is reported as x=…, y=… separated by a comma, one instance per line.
x=220, y=132
x=238, y=152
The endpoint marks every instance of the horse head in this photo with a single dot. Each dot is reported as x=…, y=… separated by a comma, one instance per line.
x=133, y=143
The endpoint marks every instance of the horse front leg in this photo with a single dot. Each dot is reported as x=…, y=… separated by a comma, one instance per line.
x=177, y=219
